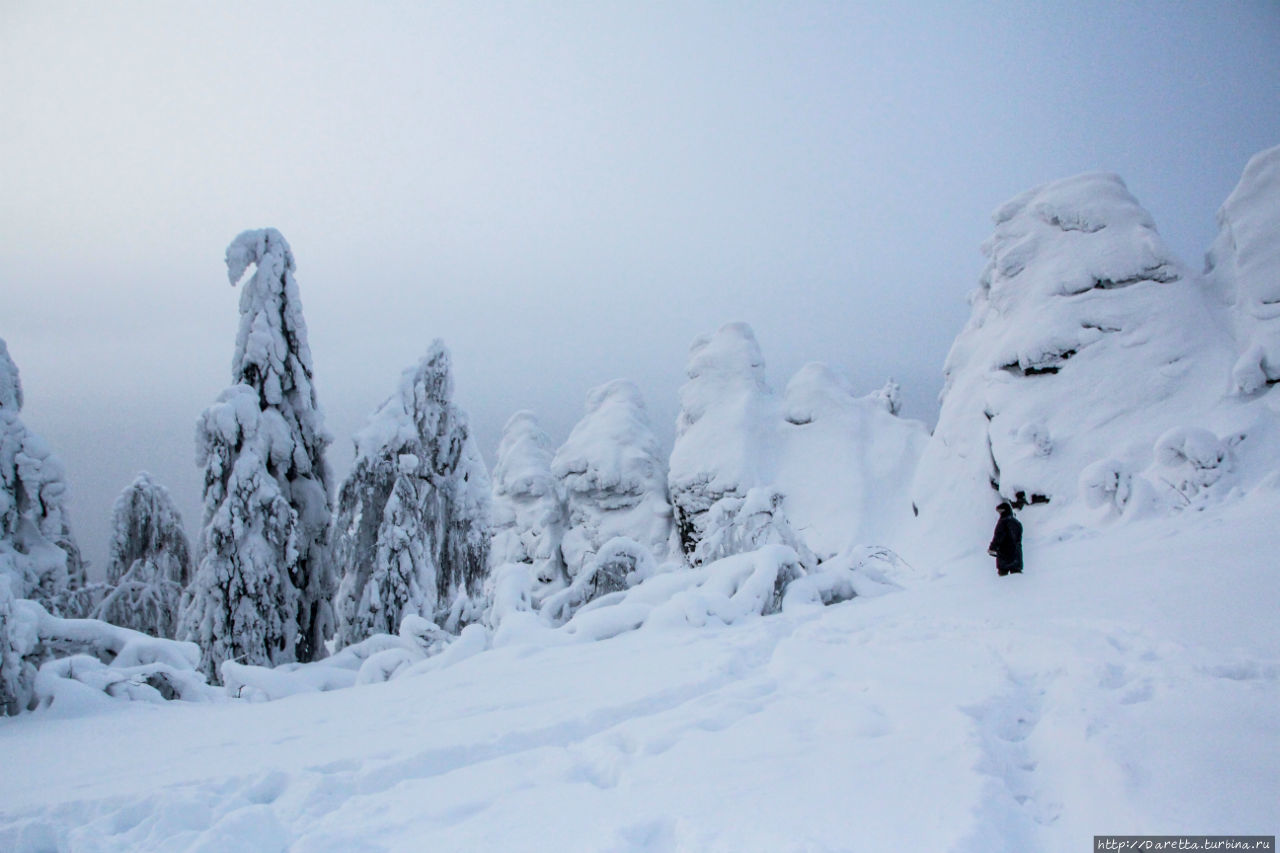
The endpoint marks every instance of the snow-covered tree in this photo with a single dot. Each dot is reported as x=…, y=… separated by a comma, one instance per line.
x=726, y=432
x=263, y=588
x=150, y=561
x=412, y=532
x=529, y=515
x=614, y=479
x=1087, y=340
x=1244, y=268
x=36, y=545
x=737, y=525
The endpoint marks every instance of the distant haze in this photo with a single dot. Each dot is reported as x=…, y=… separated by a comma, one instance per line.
x=566, y=193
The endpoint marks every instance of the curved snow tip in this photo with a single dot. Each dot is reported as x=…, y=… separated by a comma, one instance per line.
x=621, y=390
x=251, y=247
x=10, y=383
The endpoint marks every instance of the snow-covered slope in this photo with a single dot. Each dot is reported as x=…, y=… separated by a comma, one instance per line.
x=1096, y=693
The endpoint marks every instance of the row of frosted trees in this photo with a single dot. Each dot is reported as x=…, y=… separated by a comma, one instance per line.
x=278, y=569
x=281, y=572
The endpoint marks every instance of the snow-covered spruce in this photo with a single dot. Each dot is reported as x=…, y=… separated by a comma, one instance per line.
x=37, y=548
x=150, y=561
x=529, y=515
x=263, y=588
x=614, y=479
x=1243, y=266
x=845, y=462
x=1087, y=341
x=412, y=532
x=726, y=432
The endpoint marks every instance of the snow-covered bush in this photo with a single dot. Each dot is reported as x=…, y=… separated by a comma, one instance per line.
x=726, y=432
x=42, y=556
x=149, y=563
x=263, y=587
x=84, y=664
x=735, y=525
x=1194, y=462
x=621, y=563
x=529, y=514
x=378, y=658
x=1243, y=266
x=859, y=570
x=412, y=533
x=613, y=477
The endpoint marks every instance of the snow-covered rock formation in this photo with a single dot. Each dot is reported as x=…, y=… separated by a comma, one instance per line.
x=149, y=563
x=1088, y=340
x=613, y=477
x=1243, y=266
x=846, y=461
x=412, y=531
x=37, y=549
x=263, y=588
x=727, y=429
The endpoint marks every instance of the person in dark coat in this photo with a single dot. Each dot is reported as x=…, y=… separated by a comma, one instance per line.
x=1006, y=544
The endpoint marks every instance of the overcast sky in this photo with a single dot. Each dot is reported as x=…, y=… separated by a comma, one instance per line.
x=566, y=193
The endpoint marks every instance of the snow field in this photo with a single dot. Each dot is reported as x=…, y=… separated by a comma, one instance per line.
x=1126, y=684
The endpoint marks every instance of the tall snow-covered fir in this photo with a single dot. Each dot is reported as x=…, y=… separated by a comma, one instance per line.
x=412, y=531
x=37, y=548
x=149, y=563
x=614, y=478
x=263, y=588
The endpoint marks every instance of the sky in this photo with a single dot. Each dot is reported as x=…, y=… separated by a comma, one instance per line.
x=566, y=193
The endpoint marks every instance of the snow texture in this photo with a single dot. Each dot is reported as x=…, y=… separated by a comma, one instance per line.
x=263, y=587
x=412, y=532
x=37, y=549
x=150, y=561
x=613, y=477
x=1244, y=267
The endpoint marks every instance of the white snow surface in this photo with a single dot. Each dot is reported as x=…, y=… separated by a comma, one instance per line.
x=1126, y=683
